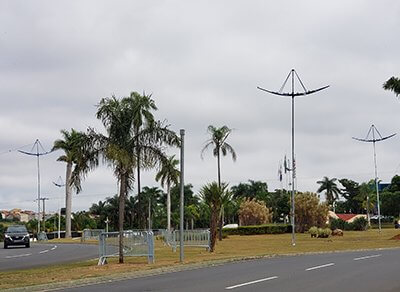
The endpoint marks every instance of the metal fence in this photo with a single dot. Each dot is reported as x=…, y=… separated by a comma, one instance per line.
x=195, y=238
x=93, y=234
x=136, y=243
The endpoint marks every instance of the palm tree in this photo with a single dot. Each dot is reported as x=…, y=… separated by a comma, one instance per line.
x=169, y=175
x=120, y=146
x=80, y=158
x=332, y=191
x=218, y=141
x=212, y=194
x=392, y=84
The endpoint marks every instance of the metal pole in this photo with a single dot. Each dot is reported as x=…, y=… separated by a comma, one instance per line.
x=59, y=222
x=182, y=182
x=293, y=168
x=38, y=169
x=377, y=190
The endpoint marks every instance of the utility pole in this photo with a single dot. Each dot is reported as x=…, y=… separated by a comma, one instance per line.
x=107, y=221
x=36, y=145
x=44, y=213
x=293, y=74
x=182, y=187
x=376, y=137
x=59, y=184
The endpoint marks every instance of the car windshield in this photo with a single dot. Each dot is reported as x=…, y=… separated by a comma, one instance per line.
x=17, y=229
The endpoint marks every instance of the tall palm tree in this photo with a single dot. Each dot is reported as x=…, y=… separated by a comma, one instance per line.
x=392, y=84
x=80, y=158
x=212, y=194
x=120, y=146
x=169, y=175
x=332, y=191
x=142, y=106
x=218, y=141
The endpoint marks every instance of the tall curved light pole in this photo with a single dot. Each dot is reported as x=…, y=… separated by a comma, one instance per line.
x=36, y=145
x=292, y=75
x=376, y=137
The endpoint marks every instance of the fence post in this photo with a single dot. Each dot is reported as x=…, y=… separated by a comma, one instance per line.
x=150, y=244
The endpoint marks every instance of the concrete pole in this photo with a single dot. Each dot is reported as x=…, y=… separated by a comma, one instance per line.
x=182, y=182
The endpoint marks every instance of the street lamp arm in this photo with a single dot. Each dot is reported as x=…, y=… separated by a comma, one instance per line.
x=293, y=94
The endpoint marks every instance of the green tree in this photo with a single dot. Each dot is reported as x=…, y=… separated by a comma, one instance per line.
x=169, y=175
x=392, y=84
x=332, y=191
x=251, y=190
x=350, y=193
x=218, y=141
x=212, y=194
x=80, y=157
x=120, y=146
x=253, y=212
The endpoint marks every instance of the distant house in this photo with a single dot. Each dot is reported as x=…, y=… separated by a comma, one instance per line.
x=17, y=214
x=346, y=217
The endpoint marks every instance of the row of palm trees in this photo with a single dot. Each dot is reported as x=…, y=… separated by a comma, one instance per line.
x=133, y=141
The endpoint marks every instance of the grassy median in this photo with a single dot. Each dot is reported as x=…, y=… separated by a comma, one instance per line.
x=233, y=247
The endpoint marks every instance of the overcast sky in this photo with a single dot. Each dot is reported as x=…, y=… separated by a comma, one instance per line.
x=202, y=61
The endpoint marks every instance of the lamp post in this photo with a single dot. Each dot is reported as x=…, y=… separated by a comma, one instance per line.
x=376, y=137
x=182, y=186
x=292, y=75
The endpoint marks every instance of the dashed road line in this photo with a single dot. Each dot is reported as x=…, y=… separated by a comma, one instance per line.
x=18, y=256
x=367, y=257
x=44, y=251
x=53, y=248
x=252, y=282
x=320, y=267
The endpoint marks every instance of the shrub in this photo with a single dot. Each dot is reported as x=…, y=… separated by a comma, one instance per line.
x=360, y=224
x=324, y=232
x=340, y=224
x=258, y=229
x=309, y=211
x=253, y=212
x=2, y=230
x=313, y=231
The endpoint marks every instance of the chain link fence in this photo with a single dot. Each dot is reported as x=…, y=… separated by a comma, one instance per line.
x=91, y=234
x=136, y=243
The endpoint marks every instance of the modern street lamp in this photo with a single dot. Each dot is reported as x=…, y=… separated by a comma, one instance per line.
x=293, y=74
x=376, y=137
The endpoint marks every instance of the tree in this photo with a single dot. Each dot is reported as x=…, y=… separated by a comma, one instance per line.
x=332, y=191
x=80, y=157
x=251, y=190
x=309, y=211
x=212, y=194
x=218, y=141
x=120, y=147
x=392, y=84
x=169, y=175
x=350, y=192
x=253, y=212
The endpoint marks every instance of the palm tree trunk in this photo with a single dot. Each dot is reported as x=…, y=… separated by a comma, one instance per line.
x=213, y=228
x=221, y=223
x=121, y=211
x=219, y=169
x=168, y=207
x=68, y=200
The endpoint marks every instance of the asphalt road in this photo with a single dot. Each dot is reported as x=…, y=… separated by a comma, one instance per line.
x=45, y=254
x=333, y=272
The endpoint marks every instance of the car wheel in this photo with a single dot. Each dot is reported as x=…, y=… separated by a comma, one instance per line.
x=27, y=245
x=5, y=246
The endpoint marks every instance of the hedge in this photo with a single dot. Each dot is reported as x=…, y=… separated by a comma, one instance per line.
x=258, y=229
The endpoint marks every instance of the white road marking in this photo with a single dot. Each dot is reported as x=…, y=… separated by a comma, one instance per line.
x=320, y=267
x=18, y=256
x=53, y=248
x=367, y=257
x=252, y=282
x=44, y=251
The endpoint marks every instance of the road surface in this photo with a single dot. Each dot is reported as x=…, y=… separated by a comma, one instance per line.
x=45, y=254
x=345, y=271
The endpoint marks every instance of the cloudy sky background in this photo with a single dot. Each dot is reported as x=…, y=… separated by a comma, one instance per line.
x=202, y=61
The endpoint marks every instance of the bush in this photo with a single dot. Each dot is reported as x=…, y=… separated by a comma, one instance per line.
x=258, y=229
x=313, y=231
x=309, y=211
x=253, y=212
x=324, y=232
x=360, y=224
x=2, y=230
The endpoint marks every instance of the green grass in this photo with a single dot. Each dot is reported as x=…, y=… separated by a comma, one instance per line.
x=233, y=247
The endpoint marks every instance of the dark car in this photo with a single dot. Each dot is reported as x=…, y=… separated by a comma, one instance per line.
x=16, y=235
